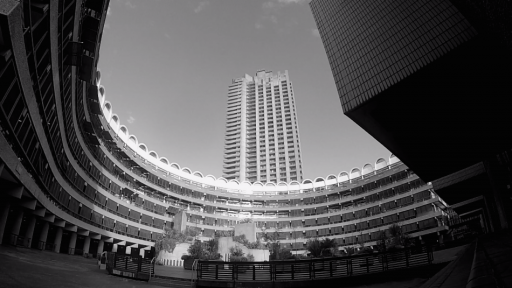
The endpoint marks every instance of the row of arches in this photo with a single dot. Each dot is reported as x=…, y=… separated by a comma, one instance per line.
x=222, y=183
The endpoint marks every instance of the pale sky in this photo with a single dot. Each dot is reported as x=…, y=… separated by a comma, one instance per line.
x=166, y=66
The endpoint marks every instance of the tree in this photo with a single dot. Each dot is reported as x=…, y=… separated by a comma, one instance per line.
x=329, y=247
x=196, y=250
x=168, y=240
x=314, y=247
x=396, y=238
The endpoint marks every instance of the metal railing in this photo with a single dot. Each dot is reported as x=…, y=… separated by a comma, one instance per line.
x=21, y=241
x=320, y=268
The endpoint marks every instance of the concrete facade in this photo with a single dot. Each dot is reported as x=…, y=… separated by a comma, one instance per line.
x=262, y=135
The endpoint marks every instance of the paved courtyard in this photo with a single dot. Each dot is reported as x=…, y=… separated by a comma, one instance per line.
x=22, y=268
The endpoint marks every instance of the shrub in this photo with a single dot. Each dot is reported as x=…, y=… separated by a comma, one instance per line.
x=196, y=250
x=236, y=251
x=250, y=257
x=314, y=247
x=238, y=259
x=364, y=250
x=168, y=240
x=186, y=257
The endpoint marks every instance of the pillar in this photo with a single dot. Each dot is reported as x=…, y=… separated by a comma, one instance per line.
x=43, y=235
x=100, y=247
x=87, y=244
x=72, y=243
x=5, y=206
x=29, y=234
x=58, y=239
x=16, y=225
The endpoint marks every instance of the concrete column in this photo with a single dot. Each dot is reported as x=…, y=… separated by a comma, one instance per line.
x=5, y=206
x=72, y=243
x=87, y=244
x=29, y=234
x=58, y=239
x=16, y=224
x=100, y=246
x=44, y=234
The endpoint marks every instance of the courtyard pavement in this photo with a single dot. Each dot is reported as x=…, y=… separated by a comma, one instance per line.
x=21, y=267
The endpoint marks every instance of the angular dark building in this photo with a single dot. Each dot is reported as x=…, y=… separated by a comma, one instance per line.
x=431, y=81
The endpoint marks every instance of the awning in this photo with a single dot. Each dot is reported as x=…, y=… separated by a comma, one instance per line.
x=88, y=127
x=91, y=139
x=94, y=107
x=106, y=135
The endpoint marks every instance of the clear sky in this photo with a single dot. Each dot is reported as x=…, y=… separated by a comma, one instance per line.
x=166, y=66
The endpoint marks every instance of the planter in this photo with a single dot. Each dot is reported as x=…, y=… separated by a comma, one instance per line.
x=187, y=264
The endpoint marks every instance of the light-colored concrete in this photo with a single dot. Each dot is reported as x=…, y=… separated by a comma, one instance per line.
x=72, y=243
x=5, y=206
x=247, y=229
x=227, y=242
x=44, y=233
x=58, y=240
x=87, y=244
x=29, y=232
x=174, y=258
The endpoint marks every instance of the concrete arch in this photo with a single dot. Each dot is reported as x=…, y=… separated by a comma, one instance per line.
x=380, y=163
x=107, y=110
x=143, y=147
x=367, y=168
x=343, y=176
x=246, y=185
x=101, y=91
x=282, y=184
x=153, y=154
x=393, y=159
x=164, y=160
x=114, y=122
x=198, y=174
x=108, y=106
x=222, y=180
x=331, y=176
x=115, y=118
x=124, y=130
x=98, y=77
x=355, y=172
x=319, y=179
x=186, y=170
x=209, y=178
x=257, y=184
x=233, y=183
x=294, y=183
x=307, y=181
x=133, y=139
x=270, y=184
x=175, y=166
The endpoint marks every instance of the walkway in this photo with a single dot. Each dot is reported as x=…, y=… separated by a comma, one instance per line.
x=21, y=267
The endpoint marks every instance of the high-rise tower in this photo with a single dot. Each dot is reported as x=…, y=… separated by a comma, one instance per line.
x=262, y=132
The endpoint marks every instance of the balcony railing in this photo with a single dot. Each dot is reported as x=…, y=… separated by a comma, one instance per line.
x=314, y=269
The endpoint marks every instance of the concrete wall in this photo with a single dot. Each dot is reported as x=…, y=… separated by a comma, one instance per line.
x=174, y=258
x=248, y=229
x=226, y=242
x=180, y=221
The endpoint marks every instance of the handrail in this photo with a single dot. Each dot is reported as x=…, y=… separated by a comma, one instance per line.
x=313, y=269
x=152, y=271
x=194, y=265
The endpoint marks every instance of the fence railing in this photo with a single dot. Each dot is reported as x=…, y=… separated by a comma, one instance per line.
x=129, y=266
x=321, y=268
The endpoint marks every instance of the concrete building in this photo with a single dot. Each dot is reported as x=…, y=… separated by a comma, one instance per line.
x=74, y=180
x=262, y=132
x=430, y=80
